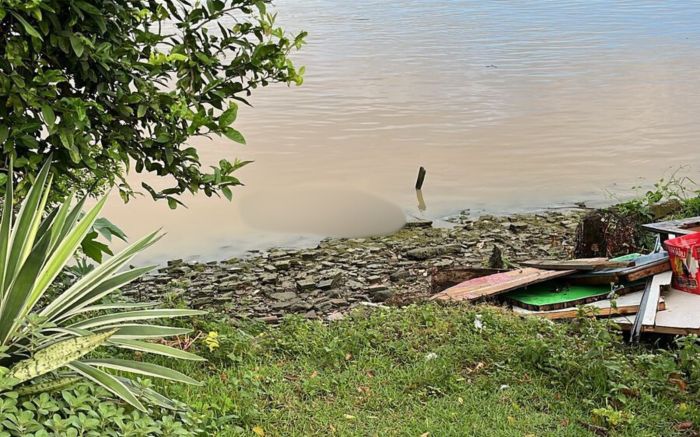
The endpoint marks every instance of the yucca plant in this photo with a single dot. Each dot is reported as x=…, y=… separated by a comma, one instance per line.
x=45, y=341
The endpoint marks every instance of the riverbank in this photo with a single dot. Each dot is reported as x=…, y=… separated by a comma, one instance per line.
x=326, y=281
x=423, y=370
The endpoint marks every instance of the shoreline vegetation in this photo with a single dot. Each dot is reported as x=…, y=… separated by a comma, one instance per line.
x=338, y=340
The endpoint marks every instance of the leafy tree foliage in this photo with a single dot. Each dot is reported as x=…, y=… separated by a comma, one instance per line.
x=106, y=86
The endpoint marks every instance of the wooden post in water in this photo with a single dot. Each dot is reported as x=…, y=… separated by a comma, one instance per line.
x=421, y=178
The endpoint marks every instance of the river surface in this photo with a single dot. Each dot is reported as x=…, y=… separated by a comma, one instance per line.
x=509, y=105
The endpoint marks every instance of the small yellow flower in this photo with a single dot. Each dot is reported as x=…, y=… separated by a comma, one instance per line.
x=212, y=341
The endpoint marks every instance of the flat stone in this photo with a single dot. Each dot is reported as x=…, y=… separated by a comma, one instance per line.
x=355, y=285
x=283, y=296
x=425, y=253
x=283, y=304
x=443, y=263
x=335, y=316
x=374, y=279
x=306, y=285
x=301, y=306
x=517, y=226
x=326, y=284
x=418, y=224
x=382, y=295
x=268, y=278
x=268, y=319
x=375, y=288
x=399, y=275
x=282, y=265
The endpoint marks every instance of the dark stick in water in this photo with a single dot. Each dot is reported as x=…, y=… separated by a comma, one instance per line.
x=421, y=178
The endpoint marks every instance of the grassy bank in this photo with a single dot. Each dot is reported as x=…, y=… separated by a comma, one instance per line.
x=431, y=370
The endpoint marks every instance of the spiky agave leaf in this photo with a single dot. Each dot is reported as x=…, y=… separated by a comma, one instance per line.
x=57, y=355
x=34, y=248
x=141, y=368
x=155, y=348
x=109, y=382
x=150, y=395
x=53, y=384
x=100, y=282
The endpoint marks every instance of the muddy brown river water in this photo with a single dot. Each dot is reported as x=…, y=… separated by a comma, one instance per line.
x=509, y=105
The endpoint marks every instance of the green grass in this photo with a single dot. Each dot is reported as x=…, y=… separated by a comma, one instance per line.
x=429, y=369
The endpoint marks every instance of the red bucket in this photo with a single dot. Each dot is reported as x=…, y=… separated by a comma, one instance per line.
x=684, y=255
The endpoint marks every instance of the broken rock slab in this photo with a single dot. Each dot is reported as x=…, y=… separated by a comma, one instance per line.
x=306, y=285
x=283, y=296
x=425, y=253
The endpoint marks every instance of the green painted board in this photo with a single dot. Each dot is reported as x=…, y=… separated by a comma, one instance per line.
x=556, y=295
x=546, y=294
x=629, y=257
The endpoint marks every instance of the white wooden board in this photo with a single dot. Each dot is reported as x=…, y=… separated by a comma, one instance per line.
x=681, y=316
x=655, y=292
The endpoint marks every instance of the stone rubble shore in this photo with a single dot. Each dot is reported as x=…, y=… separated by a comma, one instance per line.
x=326, y=281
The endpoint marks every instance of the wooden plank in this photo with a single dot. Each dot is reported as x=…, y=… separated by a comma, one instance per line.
x=683, y=311
x=660, y=266
x=498, y=283
x=576, y=264
x=681, y=316
x=627, y=304
x=645, y=266
x=659, y=280
x=677, y=227
x=441, y=279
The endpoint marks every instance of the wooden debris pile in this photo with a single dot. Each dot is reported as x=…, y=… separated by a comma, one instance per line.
x=634, y=290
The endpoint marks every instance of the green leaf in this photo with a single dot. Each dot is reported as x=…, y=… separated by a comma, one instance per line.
x=94, y=249
x=77, y=44
x=227, y=192
x=108, y=229
x=177, y=57
x=150, y=395
x=134, y=316
x=58, y=260
x=138, y=332
x=109, y=382
x=47, y=386
x=229, y=115
x=141, y=111
x=87, y=7
x=156, y=348
x=74, y=153
x=67, y=138
x=5, y=229
x=4, y=133
x=27, y=27
x=234, y=135
x=49, y=116
x=57, y=355
x=100, y=280
x=82, y=301
x=24, y=231
x=141, y=368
